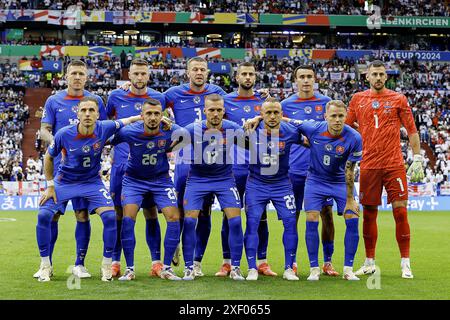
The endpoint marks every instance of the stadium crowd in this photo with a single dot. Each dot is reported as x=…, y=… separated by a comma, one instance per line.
x=343, y=7
x=337, y=78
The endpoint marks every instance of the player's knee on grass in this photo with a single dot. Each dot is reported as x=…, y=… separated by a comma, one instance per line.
x=130, y=210
x=312, y=216
x=82, y=215
x=171, y=214
x=191, y=214
x=232, y=212
x=399, y=204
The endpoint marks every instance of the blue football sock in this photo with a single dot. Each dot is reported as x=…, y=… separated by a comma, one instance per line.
x=153, y=237
x=351, y=240
x=290, y=241
x=54, y=236
x=171, y=241
x=202, y=232
x=263, y=234
x=312, y=242
x=118, y=246
x=189, y=239
x=236, y=240
x=251, y=241
x=109, y=232
x=328, y=250
x=224, y=236
x=82, y=237
x=128, y=240
x=43, y=231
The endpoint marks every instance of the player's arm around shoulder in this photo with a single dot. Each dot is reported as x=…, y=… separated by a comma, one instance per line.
x=351, y=206
x=180, y=137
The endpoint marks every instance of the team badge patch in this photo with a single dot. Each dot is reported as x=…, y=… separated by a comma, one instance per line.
x=247, y=108
x=161, y=143
x=150, y=145
x=271, y=145
x=340, y=149
x=258, y=108
x=96, y=146
x=138, y=106
x=375, y=104
x=75, y=109
x=328, y=147
x=308, y=110
x=197, y=99
x=319, y=108
x=86, y=149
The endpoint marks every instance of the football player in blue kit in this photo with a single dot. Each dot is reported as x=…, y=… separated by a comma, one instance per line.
x=240, y=106
x=335, y=150
x=211, y=174
x=270, y=146
x=147, y=175
x=81, y=146
x=60, y=110
x=304, y=105
x=122, y=104
x=187, y=103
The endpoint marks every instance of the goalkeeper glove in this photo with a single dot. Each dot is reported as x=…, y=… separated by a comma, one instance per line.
x=415, y=171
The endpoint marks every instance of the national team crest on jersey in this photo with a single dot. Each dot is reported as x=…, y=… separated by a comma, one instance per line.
x=97, y=146
x=150, y=145
x=328, y=147
x=271, y=145
x=340, y=149
x=161, y=143
x=308, y=110
x=319, y=108
x=86, y=149
x=375, y=104
x=75, y=109
x=247, y=109
x=197, y=99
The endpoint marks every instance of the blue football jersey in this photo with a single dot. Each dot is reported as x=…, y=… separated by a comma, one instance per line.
x=123, y=104
x=212, y=149
x=303, y=109
x=60, y=109
x=269, y=155
x=148, y=153
x=329, y=153
x=81, y=154
x=239, y=109
x=187, y=105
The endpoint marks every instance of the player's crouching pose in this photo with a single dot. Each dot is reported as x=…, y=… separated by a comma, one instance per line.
x=335, y=150
x=78, y=176
x=147, y=175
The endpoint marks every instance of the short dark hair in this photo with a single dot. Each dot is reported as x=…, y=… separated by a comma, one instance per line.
x=152, y=102
x=139, y=62
x=245, y=64
x=89, y=99
x=305, y=67
x=376, y=64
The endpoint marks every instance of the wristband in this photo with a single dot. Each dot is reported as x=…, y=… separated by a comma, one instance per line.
x=418, y=157
x=50, y=183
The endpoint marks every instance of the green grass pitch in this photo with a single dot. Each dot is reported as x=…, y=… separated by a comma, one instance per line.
x=429, y=258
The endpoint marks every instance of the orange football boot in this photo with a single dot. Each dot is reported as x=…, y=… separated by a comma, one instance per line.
x=115, y=270
x=156, y=270
x=224, y=271
x=264, y=269
x=328, y=270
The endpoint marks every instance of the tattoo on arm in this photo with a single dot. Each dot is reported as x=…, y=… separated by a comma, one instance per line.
x=350, y=176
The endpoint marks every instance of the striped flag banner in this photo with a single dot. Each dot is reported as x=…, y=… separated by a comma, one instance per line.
x=40, y=15
x=247, y=18
x=208, y=52
x=146, y=51
x=294, y=19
